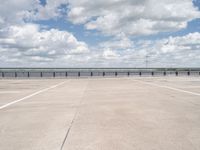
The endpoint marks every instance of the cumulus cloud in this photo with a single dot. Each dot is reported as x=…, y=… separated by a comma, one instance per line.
x=132, y=17
x=113, y=17
x=178, y=51
x=118, y=43
x=176, y=46
x=14, y=12
x=51, y=9
x=29, y=42
x=23, y=42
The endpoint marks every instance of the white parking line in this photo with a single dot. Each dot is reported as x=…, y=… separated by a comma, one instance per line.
x=171, y=88
x=26, y=97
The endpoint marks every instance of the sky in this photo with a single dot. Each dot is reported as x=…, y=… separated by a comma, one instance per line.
x=100, y=33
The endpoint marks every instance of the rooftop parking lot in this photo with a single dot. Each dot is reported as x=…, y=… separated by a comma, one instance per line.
x=125, y=113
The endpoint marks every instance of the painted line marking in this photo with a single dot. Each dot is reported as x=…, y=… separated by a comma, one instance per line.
x=171, y=88
x=31, y=95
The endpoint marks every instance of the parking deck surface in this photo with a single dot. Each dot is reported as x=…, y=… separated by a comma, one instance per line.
x=138, y=113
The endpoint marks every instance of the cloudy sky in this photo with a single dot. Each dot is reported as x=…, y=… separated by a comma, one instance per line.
x=100, y=33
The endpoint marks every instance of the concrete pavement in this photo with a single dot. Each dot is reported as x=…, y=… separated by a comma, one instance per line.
x=104, y=113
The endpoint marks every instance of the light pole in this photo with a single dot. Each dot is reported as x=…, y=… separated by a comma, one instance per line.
x=147, y=60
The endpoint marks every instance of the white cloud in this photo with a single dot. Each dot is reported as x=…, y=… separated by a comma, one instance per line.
x=60, y=48
x=111, y=17
x=189, y=42
x=14, y=12
x=75, y=14
x=121, y=42
x=39, y=45
x=26, y=43
x=50, y=10
x=132, y=17
x=109, y=54
x=176, y=51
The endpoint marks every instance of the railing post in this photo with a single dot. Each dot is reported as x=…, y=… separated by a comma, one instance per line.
x=15, y=74
x=65, y=74
x=79, y=74
x=91, y=74
x=54, y=74
x=28, y=75
x=3, y=75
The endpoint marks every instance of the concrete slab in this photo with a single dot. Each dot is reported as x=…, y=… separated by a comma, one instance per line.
x=15, y=88
x=41, y=122
x=103, y=113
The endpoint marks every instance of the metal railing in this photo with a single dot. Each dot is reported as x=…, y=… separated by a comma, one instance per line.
x=94, y=72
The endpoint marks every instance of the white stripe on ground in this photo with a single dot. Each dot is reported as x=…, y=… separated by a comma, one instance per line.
x=31, y=95
x=171, y=88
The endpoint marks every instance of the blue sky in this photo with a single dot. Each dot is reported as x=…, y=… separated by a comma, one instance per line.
x=93, y=37
x=101, y=33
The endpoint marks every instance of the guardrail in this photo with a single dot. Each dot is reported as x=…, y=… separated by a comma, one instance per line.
x=76, y=74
